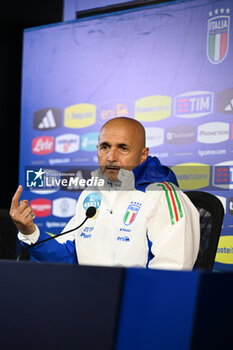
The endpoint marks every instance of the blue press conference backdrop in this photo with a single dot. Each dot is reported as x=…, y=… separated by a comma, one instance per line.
x=170, y=67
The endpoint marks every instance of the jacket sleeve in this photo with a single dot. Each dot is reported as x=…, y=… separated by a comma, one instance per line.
x=173, y=228
x=61, y=249
x=53, y=251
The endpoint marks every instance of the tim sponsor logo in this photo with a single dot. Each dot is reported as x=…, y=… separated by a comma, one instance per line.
x=193, y=104
x=47, y=119
x=223, y=175
x=180, y=135
x=80, y=115
x=153, y=108
x=225, y=101
x=112, y=109
x=67, y=143
x=215, y=132
x=154, y=137
x=43, y=145
x=41, y=207
x=64, y=207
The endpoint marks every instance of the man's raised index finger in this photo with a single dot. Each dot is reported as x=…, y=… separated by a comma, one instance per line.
x=15, y=199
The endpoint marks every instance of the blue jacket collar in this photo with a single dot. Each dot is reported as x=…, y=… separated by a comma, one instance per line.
x=152, y=171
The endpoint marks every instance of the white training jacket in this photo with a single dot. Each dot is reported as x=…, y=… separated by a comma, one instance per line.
x=158, y=228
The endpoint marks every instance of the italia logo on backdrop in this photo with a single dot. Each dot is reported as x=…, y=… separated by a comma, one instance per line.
x=131, y=213
x=218, y=35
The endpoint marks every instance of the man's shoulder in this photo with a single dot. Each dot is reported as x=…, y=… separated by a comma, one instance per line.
x=163, y=186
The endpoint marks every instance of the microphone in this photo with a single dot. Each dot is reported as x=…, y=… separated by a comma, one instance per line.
x=89, y=214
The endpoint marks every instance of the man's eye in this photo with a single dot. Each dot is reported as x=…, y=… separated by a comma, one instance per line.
x=103, y=147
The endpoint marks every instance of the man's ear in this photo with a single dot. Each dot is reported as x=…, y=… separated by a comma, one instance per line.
x=144, y=155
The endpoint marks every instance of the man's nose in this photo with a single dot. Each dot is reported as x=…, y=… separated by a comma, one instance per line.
x=112, y=155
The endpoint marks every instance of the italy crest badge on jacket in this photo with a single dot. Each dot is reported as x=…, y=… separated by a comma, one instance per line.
x=131, y=213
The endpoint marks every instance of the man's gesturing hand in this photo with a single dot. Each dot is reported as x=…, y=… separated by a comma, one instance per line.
x=22, y=214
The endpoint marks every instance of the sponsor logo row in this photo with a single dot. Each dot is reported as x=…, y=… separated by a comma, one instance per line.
x=60, y=207
x=193, y=176
x=208, y=133
x=65, y=143
x=192, y=104
x=65, y=207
